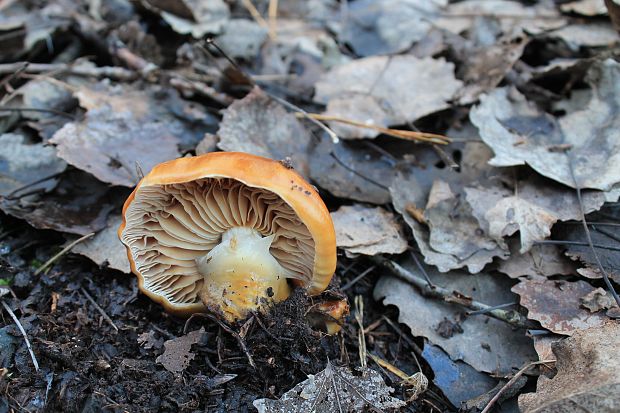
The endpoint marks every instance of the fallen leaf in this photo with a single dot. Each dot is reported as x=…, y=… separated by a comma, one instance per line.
x=148, y=341
x=389, y=26
x=242, y=38
x=519, y=133
x=104, y=249
x=367, y=231
x=195, y=17
x=486, y=344
x=177, y=354
x=585, y=7
x=22, y=163
x=80, y=204
x=597, y=300
x=555, y=305
x=407, y=192
x=404, y=87
x=540, y=261
x=453, y=230
x=458, y=381
x=351, y=171
x=334, y=389
x=586, y=35
x=587, y=378
x=256, y=124
x=531, y=208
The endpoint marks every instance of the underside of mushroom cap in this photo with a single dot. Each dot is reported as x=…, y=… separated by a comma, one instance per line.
x=179, y=212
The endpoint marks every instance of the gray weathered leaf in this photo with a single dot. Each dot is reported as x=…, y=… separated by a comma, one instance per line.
x=105, y=248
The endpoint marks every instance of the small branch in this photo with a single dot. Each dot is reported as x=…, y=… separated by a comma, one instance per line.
x=512, y=381
x=21, y=329
x=61, y=253
x=509, y=316
x=99, y=309
x=117, y=73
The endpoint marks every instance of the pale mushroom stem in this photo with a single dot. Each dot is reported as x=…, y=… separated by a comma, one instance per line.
x=241, y=275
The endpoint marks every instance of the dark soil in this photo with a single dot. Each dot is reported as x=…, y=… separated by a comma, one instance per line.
x=87, y=366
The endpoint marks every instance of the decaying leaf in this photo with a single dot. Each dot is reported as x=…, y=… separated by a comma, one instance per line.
x=605, y=236
x=555, y=304
x=587, y=378
x=22, y=163
x=597, y=300
x=457, y=380
x=585, y=7
x=407, y=193
x=531, y=208
x=586, y=35
x=177, y=354
x=388, y=27
x=540, y=261
x=453, y=230
x=335, y=389
x=242, y=38
x=195, y=17
x=487, y=344
x=104, y=248
x=256, y=124
x=79, y=204
x=367, y=231
x=351, y=171
x=587, y=139
x=404, y=87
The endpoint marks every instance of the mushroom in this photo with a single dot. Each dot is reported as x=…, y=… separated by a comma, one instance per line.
x=226, y=231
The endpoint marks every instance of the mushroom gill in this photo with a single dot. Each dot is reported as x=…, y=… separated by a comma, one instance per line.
x=171, y=230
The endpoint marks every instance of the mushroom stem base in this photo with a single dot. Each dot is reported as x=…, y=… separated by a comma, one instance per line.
x=241, y=275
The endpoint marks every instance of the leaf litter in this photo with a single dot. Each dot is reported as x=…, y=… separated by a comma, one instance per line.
x=522, y=89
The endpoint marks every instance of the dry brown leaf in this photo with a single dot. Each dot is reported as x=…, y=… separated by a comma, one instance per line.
x=487, y=344
x=104, y=249
x=597, y=300
x=404, y=88
x=540, y=261
x=367, y=231
x=177, y=354
x=587, y=378
x=555, y=304
x=520, y=134
x=256, y=124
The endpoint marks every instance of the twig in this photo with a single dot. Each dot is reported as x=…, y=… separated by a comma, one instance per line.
x=511, y=382
x=256, y=15
x=397, y=133
x=272, y=13
x=52, y=111
x=486, y=310
x=582, y=212
x=361, y=338
x=117, y=73
x=356, y=279
x=21, y=329
x=509, y=316
x=103, y=313
x=577, y=243
x=61, y=253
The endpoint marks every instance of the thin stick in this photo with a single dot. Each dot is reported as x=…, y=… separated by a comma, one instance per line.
x=356, y=279
x=577, y=243
x=61, y=253
x=21, y=329
x=512, y=381
x=99, y=309
x=231, y=332
x=117, y=73
x=256, y=15
x=272, y=12
x=397, y=133
x=509, y=316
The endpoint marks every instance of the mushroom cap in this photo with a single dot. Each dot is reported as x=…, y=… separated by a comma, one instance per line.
x=245, y=172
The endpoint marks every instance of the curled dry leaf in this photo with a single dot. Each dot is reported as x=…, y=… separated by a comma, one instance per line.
x=389, y=26
x=487, y=344
x=334, y=389
x=367, y=231
x=258, y=125
x=104, y=249
x=404, y=88
x=556, y=306
x=597, y=300
x=23, y=163
x=80, y=204
x=406, y=193
x=195, y=17
x=531, y=208
x=520, y=134
x=587, y=378
x=542, y=260
x=351, y=171
x=177, y=354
